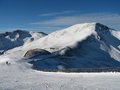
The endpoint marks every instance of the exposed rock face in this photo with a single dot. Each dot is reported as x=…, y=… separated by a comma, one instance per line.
x=65, y=51
x=35, y=52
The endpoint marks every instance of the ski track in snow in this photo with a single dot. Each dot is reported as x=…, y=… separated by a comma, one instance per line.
x=20, y=76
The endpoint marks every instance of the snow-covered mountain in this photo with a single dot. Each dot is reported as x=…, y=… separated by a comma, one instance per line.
x=85, y=45
x=17, y=38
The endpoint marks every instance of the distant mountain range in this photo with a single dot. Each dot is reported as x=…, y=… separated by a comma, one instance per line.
x=9, y=40
x=88, y=45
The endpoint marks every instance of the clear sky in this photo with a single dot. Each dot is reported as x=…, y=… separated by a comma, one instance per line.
x=51, y=15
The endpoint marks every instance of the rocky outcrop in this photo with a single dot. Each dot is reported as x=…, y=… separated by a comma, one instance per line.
x=36, y=52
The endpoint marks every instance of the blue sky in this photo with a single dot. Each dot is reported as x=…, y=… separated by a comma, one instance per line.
x=51, y=15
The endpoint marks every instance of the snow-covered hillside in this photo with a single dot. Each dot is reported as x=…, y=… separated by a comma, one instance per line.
x=85, y=45
x=89, y=45
x=17, y=38
x=20, y=76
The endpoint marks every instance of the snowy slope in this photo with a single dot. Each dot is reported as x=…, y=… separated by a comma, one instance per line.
x=17, y=38
x=79, y=46
x=20, y=76
x=85, y=45
x=57, y=40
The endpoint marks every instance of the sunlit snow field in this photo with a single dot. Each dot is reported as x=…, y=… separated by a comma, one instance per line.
x=20, y=76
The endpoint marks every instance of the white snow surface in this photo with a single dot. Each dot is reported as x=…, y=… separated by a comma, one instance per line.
x=19, y=76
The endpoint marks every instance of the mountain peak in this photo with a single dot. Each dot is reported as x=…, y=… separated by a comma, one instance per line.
x=99, y=25
x=9, y=40
x=89, y=24
x=92, y=26
x=20, y=31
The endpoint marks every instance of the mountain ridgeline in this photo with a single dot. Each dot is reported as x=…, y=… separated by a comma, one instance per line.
x=9, y=40
x=88, y=45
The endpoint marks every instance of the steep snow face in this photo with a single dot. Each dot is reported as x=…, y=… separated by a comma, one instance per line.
x=81, y=45
x=66, y=37
x=17, y=38
x=110, y=40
